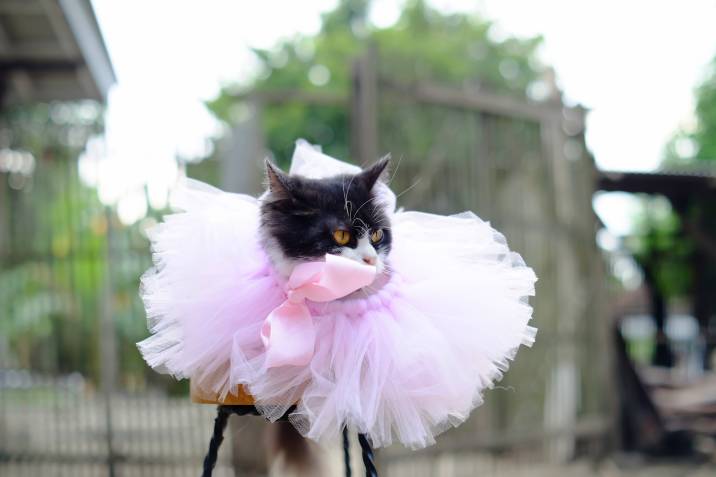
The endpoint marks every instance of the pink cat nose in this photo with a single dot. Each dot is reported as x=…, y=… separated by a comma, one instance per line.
x=369, y=260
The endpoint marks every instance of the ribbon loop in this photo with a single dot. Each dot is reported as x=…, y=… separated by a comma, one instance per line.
x=288, y=332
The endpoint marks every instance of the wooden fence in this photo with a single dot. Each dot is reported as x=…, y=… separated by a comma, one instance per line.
x=524, y=167
x=521, y=165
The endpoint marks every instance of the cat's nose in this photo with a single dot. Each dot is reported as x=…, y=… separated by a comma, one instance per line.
x=369, y=260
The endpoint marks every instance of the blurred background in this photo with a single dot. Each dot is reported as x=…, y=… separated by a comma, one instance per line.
x=585, y=131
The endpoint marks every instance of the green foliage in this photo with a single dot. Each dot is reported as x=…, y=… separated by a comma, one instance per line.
x=658, y=242
x=455, y=50
x=700, y=141
x=45, y=289
x=659, y=237
x=424, y=45
x=705, y=134
x=54, y=254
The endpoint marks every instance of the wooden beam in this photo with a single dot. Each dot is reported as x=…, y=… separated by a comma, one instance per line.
x=588, y=427
x=281, y=96
x=62, y=31
x=34, y=51
x=39, y=66
x=80, y=23
x=672, y=185
x=20, y=7
x=485, y=102
x=364, y=109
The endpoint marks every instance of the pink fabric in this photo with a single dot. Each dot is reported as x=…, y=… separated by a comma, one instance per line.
x=404, y=358
x=288, y=332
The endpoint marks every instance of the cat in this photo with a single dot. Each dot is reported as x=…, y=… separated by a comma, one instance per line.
x=304, y=219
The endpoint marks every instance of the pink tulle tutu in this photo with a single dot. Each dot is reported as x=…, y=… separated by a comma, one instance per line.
x=405, y=358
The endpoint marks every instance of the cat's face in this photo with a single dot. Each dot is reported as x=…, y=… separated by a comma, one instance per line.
x=304, y=219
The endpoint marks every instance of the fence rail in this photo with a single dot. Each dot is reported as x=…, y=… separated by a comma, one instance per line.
x=57, y=421
x=519, y=164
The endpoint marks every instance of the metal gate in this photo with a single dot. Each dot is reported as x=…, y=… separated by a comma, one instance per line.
x=75, y=396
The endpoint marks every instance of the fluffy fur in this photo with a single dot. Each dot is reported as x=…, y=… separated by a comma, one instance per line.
x=300, y=215
x=400, y=361
x=298, y=218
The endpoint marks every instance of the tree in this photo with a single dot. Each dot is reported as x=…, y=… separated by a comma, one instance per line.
x=43, y=289
x=676, y=246
x=425, y=44
x=705, y=134
x=54, y=250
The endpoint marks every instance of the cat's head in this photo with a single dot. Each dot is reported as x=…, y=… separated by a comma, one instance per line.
x=304, y=219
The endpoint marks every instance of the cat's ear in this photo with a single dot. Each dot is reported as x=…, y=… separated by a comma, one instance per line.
x=378, y=171
x=279, y=183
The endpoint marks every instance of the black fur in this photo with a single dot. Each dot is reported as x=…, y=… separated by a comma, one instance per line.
x=301, y=214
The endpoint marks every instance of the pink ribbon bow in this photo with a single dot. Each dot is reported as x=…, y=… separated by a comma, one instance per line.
x=288, y=333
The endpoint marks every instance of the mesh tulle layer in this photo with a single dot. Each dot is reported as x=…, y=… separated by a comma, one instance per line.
x=403, y=360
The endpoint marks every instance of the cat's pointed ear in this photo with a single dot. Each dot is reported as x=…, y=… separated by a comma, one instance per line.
x=278, y=181
x=378, y=171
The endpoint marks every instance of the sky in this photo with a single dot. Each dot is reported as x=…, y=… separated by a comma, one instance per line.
x=633, y=64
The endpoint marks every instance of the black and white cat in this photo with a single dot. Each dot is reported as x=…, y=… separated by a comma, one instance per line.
x=403, y=363
x=304, y=219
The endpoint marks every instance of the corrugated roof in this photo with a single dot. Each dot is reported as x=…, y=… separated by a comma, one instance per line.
x=52, y=50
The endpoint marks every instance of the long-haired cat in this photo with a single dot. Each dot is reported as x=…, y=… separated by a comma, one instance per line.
x=304, y=219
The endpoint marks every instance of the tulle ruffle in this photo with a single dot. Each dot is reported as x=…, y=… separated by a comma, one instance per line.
x=404, y=359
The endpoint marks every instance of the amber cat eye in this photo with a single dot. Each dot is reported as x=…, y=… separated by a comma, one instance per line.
x=341, y=236
x=376, y=236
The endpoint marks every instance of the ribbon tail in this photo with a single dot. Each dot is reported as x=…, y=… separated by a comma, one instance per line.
x=289, y=336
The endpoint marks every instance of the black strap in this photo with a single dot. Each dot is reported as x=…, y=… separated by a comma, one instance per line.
x=217, y=437
x=368, y=457
x=222, y=418
x=347, y=451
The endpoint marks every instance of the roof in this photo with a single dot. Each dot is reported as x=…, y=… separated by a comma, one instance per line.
x=52, y=50
x=683, y=183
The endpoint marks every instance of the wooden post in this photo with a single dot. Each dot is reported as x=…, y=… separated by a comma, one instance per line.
x=241, y=163
x=701, y=303
x=4, y=218
x=4, y=193
x=241, y=169
x=563, y=379
x=108, y=342
x=364, y=109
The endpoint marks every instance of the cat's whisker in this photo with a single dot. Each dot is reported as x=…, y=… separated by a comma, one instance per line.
x=363, y=229
x=288, y=245
x=376, y=213
x=395, y=171
x=346, y=202
x=366, y=202
x=406, y=190
x=383, y=225
x=383, y=222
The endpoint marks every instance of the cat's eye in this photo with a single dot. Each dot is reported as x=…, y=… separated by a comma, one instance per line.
x=376, y=236
x=341, y=236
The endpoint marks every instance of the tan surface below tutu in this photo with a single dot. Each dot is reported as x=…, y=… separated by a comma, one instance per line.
x=201, y=396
